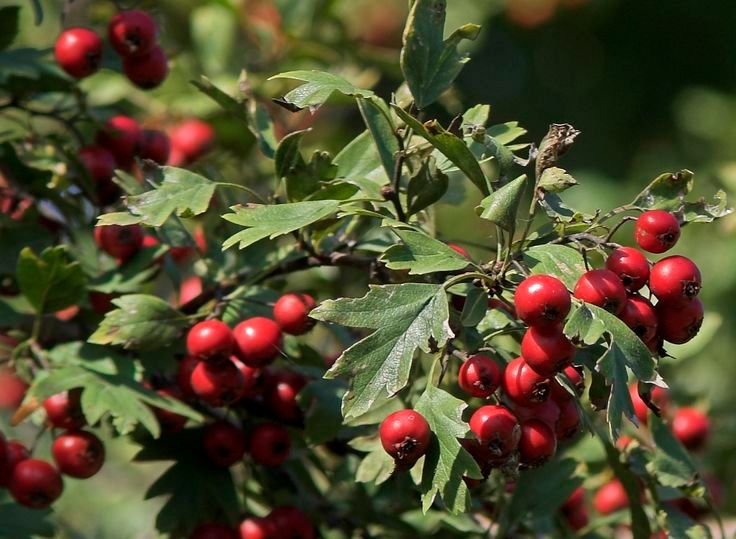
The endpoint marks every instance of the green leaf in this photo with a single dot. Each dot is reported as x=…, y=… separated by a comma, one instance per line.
x=273, y=221
x=671, y=464
x=376, y=467
x=405, y=317
x=563, y=262
x=506, y=133
x=360, y=160
x=556, y=180
x=22, y=523
x=702, y=212
x=421, y=254
x=667, y=191
x=377, y=118
x=429, y=63
x=320, y=401
x=476, y=116
x=318, y=88
x=302, y=178
x=426, y=186
x=50, y=281
x=558, y=211
x=681, y=526
x=129, y=277
x=213, y=30
x=446, y=461
x=140, y=322
x=230, y=105
x=27, y=70
x=500, y=206
x=264, y=128
x=8, y=25
x=475, y=307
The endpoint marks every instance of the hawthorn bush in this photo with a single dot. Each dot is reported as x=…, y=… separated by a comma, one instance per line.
x=288, y=334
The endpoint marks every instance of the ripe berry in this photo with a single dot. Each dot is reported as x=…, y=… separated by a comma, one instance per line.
x=603, y=288
x=542, y=300
x=122, y=136
x=679, y=323
x=78, y=454
x=482, y=456
x=132, y=33
x=170, y=421
x=575, y=500
x=479, y=376
x=249, y=374
x=537, y=443
x=675, y=280
x=574, y=376
x=213, y=530
x=657, y=231
x=639, y=314
x=547, y=350
x=119, y=241
x=184, y=375
x=190, y=288
x=630, y=265
x=12, y=389
x=218, y=383
x=149, y=70
x=281, y=394
x=155, y=145
x=459, y=250
x=258, y=341
x=15, y=452
x=210, y=339
x=610, y=498
x=405, y=435
x=291, y=523
x=78, y=51
x=568, y=424
x=224, y=443
x=548, y=411
x=497, y=429
x=291, y=313
x=659, y=397
x=101, y=302
x=257, y=528
x=64, y=411
x=577, y=519
x=100, y=165
x=35, y=483
x=190, y=140
x=270, y=444
x=524, y=385
x=691, y=427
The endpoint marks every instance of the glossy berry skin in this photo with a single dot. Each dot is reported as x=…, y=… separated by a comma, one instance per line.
x=548, y=411
x=12, y=389
x=479, y=376
x=281, y=395
x=656, y=231
x=610, y=498
x=132, y=33
x=118, y=241
x=184, y=375
x=575, y=500
x=190, y=140
x=257, y=528
x=155, y=145
x=675, y=280
x=78, y=454
x=524, y=385
x=691, y=427
x=63, y=410
x=270, y=444
x=542, y=300
x=122, y=136
x=291, y=313
x=568, y=425
x=405, y=435
x=639, y=314
x=291, y=523
x=224, y=443
x=603, y=288
x=218, y=383
x=630, y=265
x=147, y=71
x=660, y=397
x=679, y=323
x=15, y=452
x=574, y=375
x=537, y=443
x=211, y=339
x=497, y=429
x=213, y=530
x=257, y=340
x=35, y=483
x=547, y=350
x=78, y=51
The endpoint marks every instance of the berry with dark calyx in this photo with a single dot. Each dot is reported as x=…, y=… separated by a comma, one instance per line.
x=675, y=280
x=497, y=429
x=210, y=339
x=639, y=314
x=257, y=340
x=15, y=452
x=132, y=33
x=537, y=443
x=35, y=483
x=459, y=250
x=184, y=375
x=405, y=435
x=281, y=394
x=170, y=421
x=291, y=523
x=656, y=231
x=659, y=396
x=122, y=136
x=610, y=498
x=575, y=378
x=679, y=323
x=270, y=444
x=548, y=411
x=78, y=454
x=630, y=265
x=155, y=145
x=524, y=385
x=568, y=425
x=691, y=427
x=224, y=443
x=542, y=300
x=291, y=313
x=118, y=241
x=257, y=528
x=190, y=140
x=218, y=383
x=479, y=376
x=603, y=288
x=147, y=71
x=213, y=530
x=78, y=51
x=547, y=350
x=64, y=410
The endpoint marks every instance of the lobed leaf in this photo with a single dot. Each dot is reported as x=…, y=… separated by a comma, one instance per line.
x=50, y=282
x=421, y=254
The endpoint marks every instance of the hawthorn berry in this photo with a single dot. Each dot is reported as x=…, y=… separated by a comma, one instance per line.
x=547, y=350
x=405, y=435
x=639, y=314
x=659, y=396
x=132, y=33
x=100, y=165
x=211, y=339
x=524, y=385
x=610, y=498
x=574, y=376
x=603, y=288
x=257, y=528
x=190, y=288
x=270, y=444
x=15, y=452
x=184, y=375
x=630, y=265
x=497, y=429
x=281, y=394
x=101, y=302
x=577, y=518
x=155, y=145
x=147, y=71
x=78, y=51
x=679, y=323
x=568, y=424
x=170, y=421
x=542, y=300
x=249, y=374
x=537, y=443
x=122, y=136
x=224, y=443
x=575, y=500
x=459, y=250
x=78, y=454
x=291, y=313
x=547, y=411
x=213, y=530
x=190, y=140
x=119, y=241
x=3, y=448
x=482, y=456
x=12, y=389
x=64, y=410
x=675, y=280
x=291, y=523
x=656, y=231
x=218, y=383
x=691, y=427
x=35, y=483
x=479, y=376
x=258, y=341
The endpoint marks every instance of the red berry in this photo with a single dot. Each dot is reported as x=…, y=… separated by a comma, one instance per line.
x=122, y=136
x=291, y=523
x=149, y=70
x=190, y=140
x=568, y=424
x=547, y=350
x=224, y=443
x=575, y=500
x=610, y=498
x=548, y=411
x=479, y=376
x=190, y=288
x=155, y=145
x=537, y=443
x=497, y=429
x=623, y=442
x=64, y=410
x=270, y=444
x=211, y=339
x=459, y=250
x=213, y=530
x=630, y=265
x=675, y=280
x=574, y=376
x=35, y=483
x=602, y=288
x=132, y=33
x=119, y=241
x=524, y=385
x=542, y=300
x=15, y=452
x=218, y=383
x=100, y=165
x=659, y=397
x=257, y=528
x=281, y=394
x=657, y=231
x=679, y=323
x=482, y=456
x=78, y=454
x=184, y=375
x=405, y=435
x=101, y=302
x=12, y=389
x=639, y=314
x=170, y=421
x=249, y=374
x=78, y=51
x=577, y=519
x=291, y=313
x=691, y=427
x=258, y=341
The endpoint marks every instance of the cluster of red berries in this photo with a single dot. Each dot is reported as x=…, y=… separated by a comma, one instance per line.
x=132, y=35
x=282, y=521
